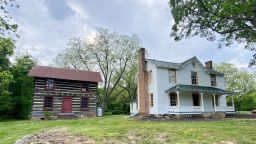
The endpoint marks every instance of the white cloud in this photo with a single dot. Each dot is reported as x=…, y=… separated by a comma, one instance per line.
x=45, y=29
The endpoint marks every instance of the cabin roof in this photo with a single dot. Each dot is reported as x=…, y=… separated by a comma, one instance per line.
x=67, y=74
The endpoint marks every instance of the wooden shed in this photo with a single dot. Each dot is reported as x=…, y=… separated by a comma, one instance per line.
x=64, y=92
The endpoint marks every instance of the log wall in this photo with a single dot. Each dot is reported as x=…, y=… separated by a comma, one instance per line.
x=61, y=89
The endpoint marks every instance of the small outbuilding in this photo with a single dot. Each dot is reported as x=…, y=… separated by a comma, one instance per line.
x=64, y=92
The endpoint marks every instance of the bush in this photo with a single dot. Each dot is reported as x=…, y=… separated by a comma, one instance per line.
x=247, y=103
x=48, y=115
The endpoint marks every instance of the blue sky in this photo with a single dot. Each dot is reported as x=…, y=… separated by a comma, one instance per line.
x=46, y=25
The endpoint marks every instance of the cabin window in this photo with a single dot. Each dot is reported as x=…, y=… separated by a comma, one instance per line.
x=196, y=99
x=173, y=99
x=151, y=100
x=150, y=76
x=85, y=87
x=194, y=78
x=213, y=80
x=172, y=76
x=49, y=85
x=48, y=103
x=84, y=103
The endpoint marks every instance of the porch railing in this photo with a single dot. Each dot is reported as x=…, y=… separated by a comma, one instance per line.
x=185, y=109
x=195, y=109
x=224, y=108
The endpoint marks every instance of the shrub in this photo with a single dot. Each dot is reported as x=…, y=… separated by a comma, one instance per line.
x=48, y=115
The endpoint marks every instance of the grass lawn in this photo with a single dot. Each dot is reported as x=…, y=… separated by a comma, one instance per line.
x=119, y=129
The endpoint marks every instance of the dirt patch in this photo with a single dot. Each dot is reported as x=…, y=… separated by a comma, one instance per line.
x=139, y=136
x=195, y=118
x=161, y=137
x=55, y=136
x=241, y=116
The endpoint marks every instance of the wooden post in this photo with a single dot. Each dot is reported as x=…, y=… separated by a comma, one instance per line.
x=178, y=100
x=214, y=102
x=202, y=101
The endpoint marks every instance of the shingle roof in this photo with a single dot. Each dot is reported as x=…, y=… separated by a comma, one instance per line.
x=67, y=74
x=196, y=88
x=172, y=65
x=164, y=64
x=212, y=71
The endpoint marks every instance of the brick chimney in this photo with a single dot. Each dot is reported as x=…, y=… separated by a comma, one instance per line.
x=208, y=64
x=143, y=84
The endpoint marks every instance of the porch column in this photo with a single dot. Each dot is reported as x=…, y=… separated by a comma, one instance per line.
x=202, y=101
x=178, y=100
x=214, y=102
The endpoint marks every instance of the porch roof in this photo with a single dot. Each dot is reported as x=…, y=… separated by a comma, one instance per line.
x=196, y=88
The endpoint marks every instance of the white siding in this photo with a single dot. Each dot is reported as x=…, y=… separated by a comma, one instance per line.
x=184, y=75
x=160, y=83
x=152, y=88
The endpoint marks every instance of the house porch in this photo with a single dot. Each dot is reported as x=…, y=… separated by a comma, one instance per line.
x=190, y=99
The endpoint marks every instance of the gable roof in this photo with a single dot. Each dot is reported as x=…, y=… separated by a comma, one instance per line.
x=178, y=66
x=67, y=74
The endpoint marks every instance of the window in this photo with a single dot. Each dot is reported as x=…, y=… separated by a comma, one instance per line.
x=150, y=76
x=48, y=103
x=213, y=80
x=85, y=87
x=172, y=76
x=196, y=99
x=194, y=78
x=173, y=99
x=49, y=85
x=151, y=100
x=84, y=103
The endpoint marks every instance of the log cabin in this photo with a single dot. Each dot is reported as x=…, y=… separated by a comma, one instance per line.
x=64, y=92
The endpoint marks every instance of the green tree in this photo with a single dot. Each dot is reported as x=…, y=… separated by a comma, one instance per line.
x=237, y=80
x=7, y=30
x=231, y=19
x=22, y=86
x=109, y=52
x=5, y=99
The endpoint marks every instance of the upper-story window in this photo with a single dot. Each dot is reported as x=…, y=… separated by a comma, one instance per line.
x=213, y=80
x=194, y=78
x=49, y=85
x=85, y=87
x=150, y=76
x=172, y=76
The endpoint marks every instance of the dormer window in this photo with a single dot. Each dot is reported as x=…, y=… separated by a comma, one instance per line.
x=194, y=78
x=213, y=80
x=49, y=85
x=85, y=87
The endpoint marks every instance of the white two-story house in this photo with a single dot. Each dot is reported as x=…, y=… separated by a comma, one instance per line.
x=188, y=87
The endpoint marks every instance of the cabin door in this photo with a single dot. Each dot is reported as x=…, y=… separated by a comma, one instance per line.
x=67, y=104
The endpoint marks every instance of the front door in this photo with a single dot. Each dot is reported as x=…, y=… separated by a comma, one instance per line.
x=67, y=104
x=196, y=99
